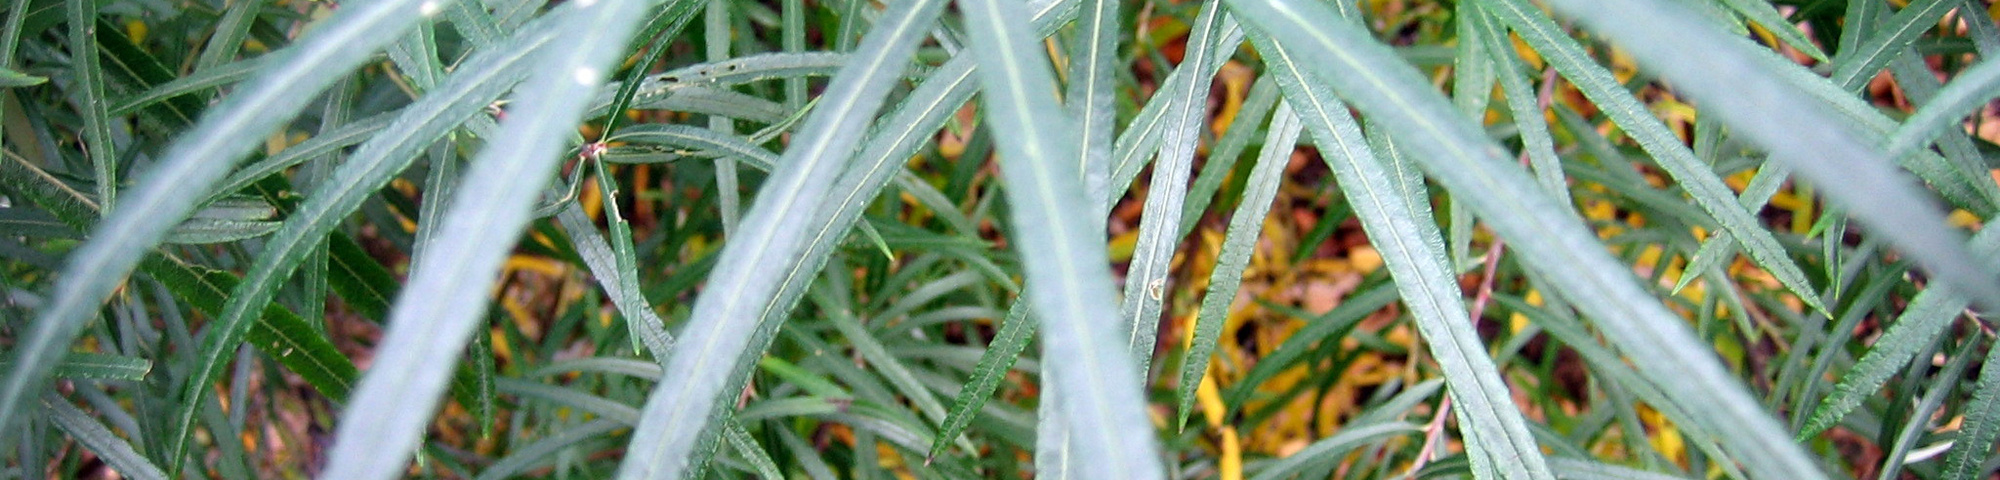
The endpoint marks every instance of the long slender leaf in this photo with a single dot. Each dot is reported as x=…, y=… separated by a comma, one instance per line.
x=91, y=101
x=1536, y=141
x=1090, y=90
x=188, y=167
x=1067, y=279
x=1387, y=196
x=1854, y=67
x=1159, y=226
x=1946, y=383
x=1920, y=324
x=94, y=436
x=103, y=367
x=1240, y=241
x=1348, y=439
x=434, y=316
x=1970, y=90
x=1008, y=343
x=905, y=130
x=1458, y=156
x=465, y=94
x=1766, y=14
x=671, y=434
x=1795, y=129
x=1221, y=160
x=527, y=456
x=1668, y=151
x=1982, y=415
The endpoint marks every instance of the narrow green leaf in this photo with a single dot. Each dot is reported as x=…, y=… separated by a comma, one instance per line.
x=1668, y=151
x=1917, y=425
x=448, y=291
x=748, y=448
x=328, y=141
x=1732, y=83
x=184, y=172
x=1972, y=89
x=1921, y=86
x=465, y=94
x=96, y=121
x=35, y=223
x=9, y=78
x=1296, y=348
x=1721, y=248
x=1388, y=198
x=718, y=101
x=115, y=451
x=203, y=80
x=1159, y=224
x=605, y=263
x=794, y=41
x=199, y=231
x=1766, y=14
x=734, y=71
x=1982, y=415
x=700, y=139
x=1221, y=160
x=523, y=458
x=1092, y=84
x=1349, y=438
x=230, y=31
x=1919, y=325
x=1240, y=241
x=1457, y=155
x=672, y=434
x=583, y=401
x=1523, y=100
x=1143, y=135
x=1853, y=68
x=665, y=24
x=1582, y=469
x=1068, y=277
x=1000, y=356
x=100, y=366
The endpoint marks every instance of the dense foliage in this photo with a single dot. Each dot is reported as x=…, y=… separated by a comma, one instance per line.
x=999, y=238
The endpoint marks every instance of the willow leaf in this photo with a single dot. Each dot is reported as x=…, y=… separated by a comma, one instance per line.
x=448, y=291
x=675, y=427
x=1238, y=244
x=187, y=168
x=1852, y=68
x=1971, y=89
x=1389, y=200
x=1457, y=155
x=1159, y=225
x=1091, y=88
x=1731, y=80
x=1668, y=151
x=1008, y=343
x=466, y=93
x=1982, y=423
x=94, y=436
x=1068, y=278
x=90, y=81
x=1766, y=14
x=1918, y=326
